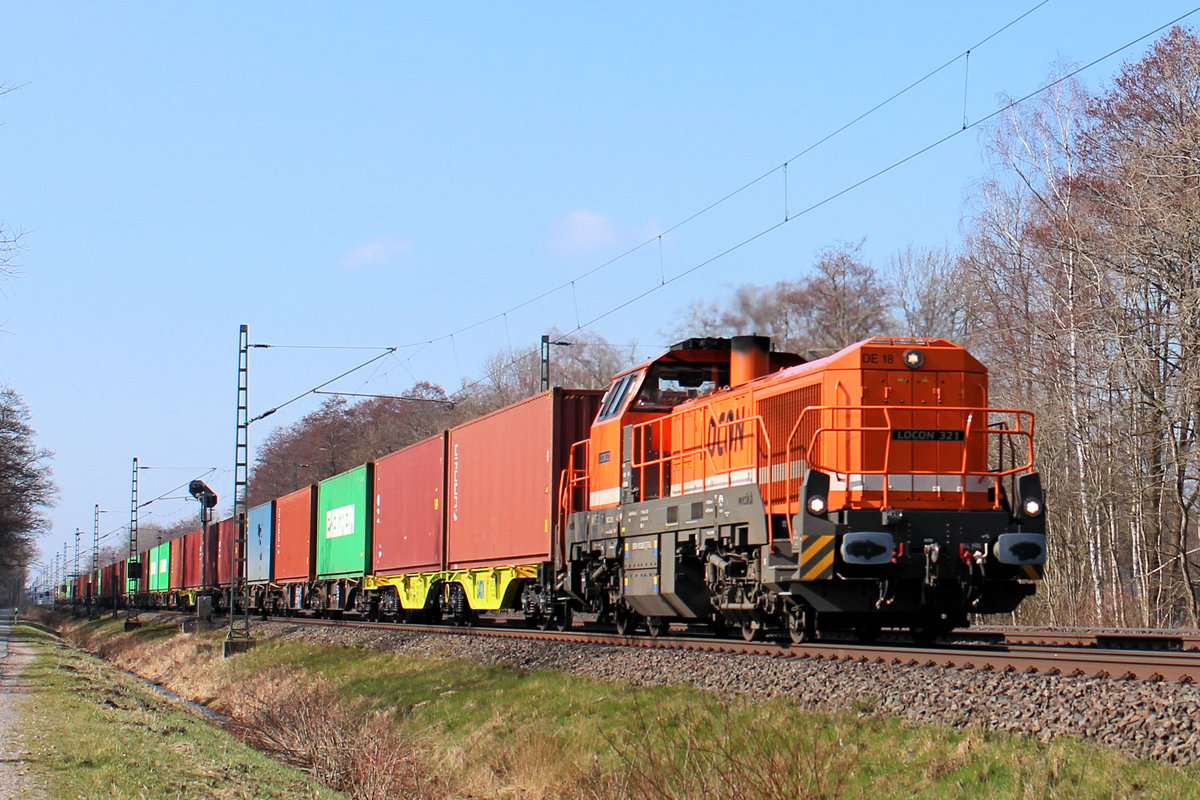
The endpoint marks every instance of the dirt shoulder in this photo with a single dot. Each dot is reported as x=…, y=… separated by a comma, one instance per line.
x=15, y=693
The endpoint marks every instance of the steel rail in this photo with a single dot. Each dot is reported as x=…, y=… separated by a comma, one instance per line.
x=1182, y=666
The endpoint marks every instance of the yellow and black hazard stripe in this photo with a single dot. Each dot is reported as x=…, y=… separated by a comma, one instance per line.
x=816, y=557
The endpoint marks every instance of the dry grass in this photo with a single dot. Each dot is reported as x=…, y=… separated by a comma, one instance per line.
x=369, y=754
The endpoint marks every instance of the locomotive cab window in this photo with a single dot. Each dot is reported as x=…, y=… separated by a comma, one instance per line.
x=614, y=399
x=670, y=383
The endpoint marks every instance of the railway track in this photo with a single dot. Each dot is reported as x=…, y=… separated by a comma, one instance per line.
x=1169, y=657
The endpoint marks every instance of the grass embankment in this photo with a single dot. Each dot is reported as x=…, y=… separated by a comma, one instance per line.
x=379, y=724
x=95, y=732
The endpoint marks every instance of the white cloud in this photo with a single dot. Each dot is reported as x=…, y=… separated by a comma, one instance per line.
x=374, y=252
x=581, y=233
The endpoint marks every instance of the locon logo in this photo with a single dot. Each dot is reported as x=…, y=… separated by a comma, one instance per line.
x=726, y=432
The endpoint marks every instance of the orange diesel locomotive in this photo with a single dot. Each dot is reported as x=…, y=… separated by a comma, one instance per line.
x=726, y=484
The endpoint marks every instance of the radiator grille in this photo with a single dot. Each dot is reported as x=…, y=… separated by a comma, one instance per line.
x=779, y=415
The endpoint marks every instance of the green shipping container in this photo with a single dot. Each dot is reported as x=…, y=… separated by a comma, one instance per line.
x=344, y=524
x=132, y=586
x=160, y=568
x=150, y=570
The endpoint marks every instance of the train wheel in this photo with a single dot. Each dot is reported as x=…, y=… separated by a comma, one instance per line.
x=626, y=621
x=799, y=627
x=564, y=618
x=752, y=630
x=657, y=626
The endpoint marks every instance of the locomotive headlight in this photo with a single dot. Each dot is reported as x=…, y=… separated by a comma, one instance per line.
x=1033, y=507
x=816, y=504
x=913, y=358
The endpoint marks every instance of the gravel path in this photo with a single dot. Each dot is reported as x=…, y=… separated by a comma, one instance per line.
x=1148, y=720
x=14, y=693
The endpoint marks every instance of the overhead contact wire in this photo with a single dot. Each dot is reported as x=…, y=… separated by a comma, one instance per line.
x=743, y=187
x=883, y=171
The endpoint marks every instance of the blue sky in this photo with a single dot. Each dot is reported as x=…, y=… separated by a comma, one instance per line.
x=386, y=174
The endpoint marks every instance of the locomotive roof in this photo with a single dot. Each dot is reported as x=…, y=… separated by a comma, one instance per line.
x=941, y=354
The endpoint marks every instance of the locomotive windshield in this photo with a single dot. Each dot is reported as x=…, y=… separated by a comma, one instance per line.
x=614, y=398
x=670, y=383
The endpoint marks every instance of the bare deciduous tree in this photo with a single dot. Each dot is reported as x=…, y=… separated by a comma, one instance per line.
x=341, y=435
x=1083, y=254
x=927, y=289
x=841, y=302
x=26, y=491
x=580, y=361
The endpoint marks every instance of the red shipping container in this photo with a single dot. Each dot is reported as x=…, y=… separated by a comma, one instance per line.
x=502, y=473
x=113, y=579
x=144, y=581
x=200, y=553
x=295, y=539
x=409, y=508
x=191, y=560
x=208, y=556
x=176, y=580
x=224, y=563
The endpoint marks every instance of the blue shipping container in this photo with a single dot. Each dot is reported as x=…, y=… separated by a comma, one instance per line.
x=260, y=543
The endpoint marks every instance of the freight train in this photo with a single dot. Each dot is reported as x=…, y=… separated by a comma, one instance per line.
x=720, y=485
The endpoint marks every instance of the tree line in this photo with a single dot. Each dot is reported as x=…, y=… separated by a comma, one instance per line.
x=341, y=435
x=26, y=492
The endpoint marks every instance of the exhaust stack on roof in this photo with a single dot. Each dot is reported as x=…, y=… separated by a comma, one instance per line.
x=750, y=359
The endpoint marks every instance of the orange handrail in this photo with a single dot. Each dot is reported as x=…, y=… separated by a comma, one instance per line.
x=571, y=479
x=815, y=457
x=761, y=457
x=709, y=467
